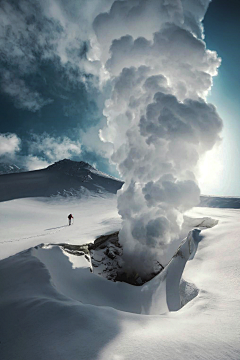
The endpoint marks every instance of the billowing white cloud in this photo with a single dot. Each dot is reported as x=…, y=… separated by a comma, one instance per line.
x=92, y=142
x=32, y=162
x=42, y=150
x=9, y=145
x=158, y=119
x=53, y=148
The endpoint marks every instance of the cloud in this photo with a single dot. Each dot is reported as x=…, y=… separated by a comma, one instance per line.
x=92, y=142
x=35, y=34
x=192, y=121
x=172, y=53
x=34, y=163
x=53, y=148
x=42, y=150
x=9, y=145
x=23, y=97
x=128, y=17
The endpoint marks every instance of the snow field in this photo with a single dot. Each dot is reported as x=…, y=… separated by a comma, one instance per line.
x=28, y=222
x=52, y=307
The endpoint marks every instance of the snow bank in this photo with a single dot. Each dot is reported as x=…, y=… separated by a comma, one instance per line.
x=201, y=223
x=52, y=307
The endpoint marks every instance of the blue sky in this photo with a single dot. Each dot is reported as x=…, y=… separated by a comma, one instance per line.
x=54, y=107
x=222, y=29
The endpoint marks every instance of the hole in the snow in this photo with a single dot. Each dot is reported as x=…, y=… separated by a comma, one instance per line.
x=106, y=260
x=162, y=291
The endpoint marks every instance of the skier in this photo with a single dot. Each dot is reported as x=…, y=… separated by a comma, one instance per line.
x=70, y=217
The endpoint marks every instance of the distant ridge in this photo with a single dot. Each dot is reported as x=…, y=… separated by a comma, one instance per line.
x=70, y=167
x=229, y=202
x=10, y=169
x=65, y=177
x=74, y=178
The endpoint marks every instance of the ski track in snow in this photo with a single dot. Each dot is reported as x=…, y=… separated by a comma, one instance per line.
x=24, y=221
x=31, y=237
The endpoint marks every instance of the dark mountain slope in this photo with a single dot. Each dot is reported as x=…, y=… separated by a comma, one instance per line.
x=63, y=177
x=10, y=168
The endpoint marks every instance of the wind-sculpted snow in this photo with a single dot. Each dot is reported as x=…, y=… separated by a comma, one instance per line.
x=52, y=305
x=158, y=119
x=74, y=273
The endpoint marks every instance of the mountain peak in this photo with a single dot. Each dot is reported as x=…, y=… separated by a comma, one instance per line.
x=65, y=178
x=67, y=164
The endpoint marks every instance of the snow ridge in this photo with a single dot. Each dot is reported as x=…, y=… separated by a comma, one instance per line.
x=70, y=166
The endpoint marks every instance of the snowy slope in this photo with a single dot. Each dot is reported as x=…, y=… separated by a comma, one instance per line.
x=28, y=222
x=53, y=307
x=65, y=177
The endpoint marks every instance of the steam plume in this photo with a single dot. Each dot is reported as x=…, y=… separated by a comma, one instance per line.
x=157, y=116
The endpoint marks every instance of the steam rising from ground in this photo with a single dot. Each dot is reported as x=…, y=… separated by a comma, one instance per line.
x=158, y=117
x=151, y=57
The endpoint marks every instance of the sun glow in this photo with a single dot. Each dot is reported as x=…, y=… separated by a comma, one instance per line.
x=210, y=170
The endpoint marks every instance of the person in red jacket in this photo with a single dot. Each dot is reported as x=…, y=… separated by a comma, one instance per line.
x=70, y=217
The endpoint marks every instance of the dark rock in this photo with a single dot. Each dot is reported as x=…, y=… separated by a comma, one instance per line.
x=111, y=265
x=105, y=255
